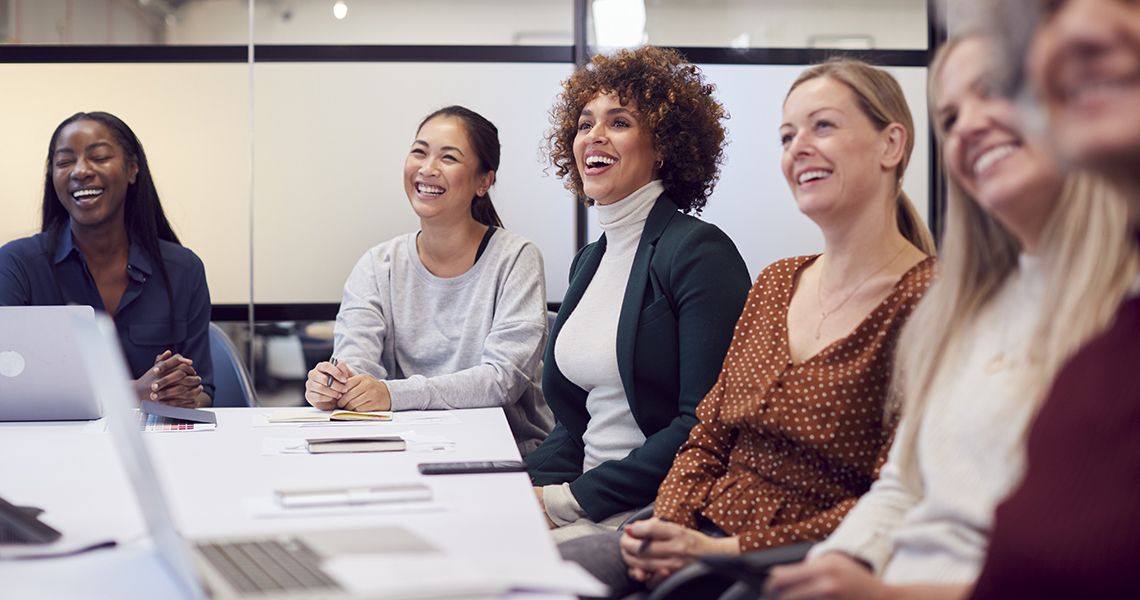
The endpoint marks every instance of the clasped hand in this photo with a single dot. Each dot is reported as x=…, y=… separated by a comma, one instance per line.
x=831, y=576
x=172, y=380
x=671, y=547
x=348, y=390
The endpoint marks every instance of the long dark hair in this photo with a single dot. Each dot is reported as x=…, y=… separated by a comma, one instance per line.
x=484, y=138
x=145, y=220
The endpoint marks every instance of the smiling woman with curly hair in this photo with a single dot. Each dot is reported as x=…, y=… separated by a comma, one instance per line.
x=651, y=305
x=676, y=107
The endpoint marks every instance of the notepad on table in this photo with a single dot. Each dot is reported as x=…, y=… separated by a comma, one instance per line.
x=386, y=443
x=336, y=415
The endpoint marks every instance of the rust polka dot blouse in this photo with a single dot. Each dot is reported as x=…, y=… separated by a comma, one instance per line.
x=782, y=451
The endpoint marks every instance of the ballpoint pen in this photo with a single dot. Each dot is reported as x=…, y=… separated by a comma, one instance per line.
x=645, y=542
x=328, y=384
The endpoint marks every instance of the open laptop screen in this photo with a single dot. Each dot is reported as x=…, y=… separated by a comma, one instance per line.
x=41, y=378
x=106, y=369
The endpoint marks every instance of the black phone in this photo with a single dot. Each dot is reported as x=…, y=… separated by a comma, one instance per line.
x=478, y=466
x=19, y=525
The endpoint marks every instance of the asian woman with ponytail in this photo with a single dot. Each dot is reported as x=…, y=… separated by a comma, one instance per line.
x=450, y=316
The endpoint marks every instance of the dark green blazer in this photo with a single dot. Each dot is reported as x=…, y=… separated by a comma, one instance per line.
x=686, y=290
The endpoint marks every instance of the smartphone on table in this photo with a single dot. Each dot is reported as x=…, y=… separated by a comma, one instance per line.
x=479, y=466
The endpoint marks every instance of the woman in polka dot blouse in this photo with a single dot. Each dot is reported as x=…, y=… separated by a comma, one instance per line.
x=795, y=428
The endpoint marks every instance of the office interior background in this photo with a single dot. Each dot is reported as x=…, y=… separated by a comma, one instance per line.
x=277, y=129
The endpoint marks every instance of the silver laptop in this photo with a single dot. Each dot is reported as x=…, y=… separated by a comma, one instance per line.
x=281, y=566
x=41, y=377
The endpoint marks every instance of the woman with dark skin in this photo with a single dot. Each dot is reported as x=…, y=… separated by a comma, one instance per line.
x=105, y=242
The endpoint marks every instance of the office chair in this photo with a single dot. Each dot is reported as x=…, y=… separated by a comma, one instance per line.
x=231, y=381
x=729, y=577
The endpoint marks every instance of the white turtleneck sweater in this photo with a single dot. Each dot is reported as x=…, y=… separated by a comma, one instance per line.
x=933, y=526
x=586, y=349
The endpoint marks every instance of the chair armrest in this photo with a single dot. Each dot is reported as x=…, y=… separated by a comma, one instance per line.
x=697, y=580
x=640, y=515
x=750, y=569
x=759, y=561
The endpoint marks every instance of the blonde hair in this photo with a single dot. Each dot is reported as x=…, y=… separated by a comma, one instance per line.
x=1088, y=262
x=881, y=99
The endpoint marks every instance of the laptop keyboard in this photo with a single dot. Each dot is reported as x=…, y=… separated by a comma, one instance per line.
x=261, y=566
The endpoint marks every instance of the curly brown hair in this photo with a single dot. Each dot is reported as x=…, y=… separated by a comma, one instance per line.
x=675, y=103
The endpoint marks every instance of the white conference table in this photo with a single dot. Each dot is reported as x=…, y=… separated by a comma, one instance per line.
x=219, y=483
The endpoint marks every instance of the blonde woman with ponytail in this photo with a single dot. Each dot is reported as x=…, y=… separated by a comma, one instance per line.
x=1033, y=264
x=795, y=428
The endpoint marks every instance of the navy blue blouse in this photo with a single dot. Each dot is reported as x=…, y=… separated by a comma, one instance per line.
x=33, y=274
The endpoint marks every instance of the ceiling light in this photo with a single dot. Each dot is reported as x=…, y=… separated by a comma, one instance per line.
x=619, y=23
x=340, y=9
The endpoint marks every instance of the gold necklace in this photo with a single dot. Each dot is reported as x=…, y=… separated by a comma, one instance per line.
x=824, y=314
x=1006, y=357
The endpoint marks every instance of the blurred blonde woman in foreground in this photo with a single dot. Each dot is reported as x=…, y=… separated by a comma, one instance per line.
x=1034, y=264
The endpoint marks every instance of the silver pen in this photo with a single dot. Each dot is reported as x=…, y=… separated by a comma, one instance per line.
x=329, y=383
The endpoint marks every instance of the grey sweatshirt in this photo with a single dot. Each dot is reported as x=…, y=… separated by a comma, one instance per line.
x=470, y=341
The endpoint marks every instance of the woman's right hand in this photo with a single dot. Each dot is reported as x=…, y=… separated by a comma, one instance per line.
x=542, y=506
x=318, y=392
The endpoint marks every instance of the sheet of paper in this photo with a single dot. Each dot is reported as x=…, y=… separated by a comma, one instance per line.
x=262, y=419
x=266, y=507
x=446, y=576
x=440, y=417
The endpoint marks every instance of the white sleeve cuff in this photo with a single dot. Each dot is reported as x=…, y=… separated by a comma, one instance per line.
x=560, y=504
x=874, y=549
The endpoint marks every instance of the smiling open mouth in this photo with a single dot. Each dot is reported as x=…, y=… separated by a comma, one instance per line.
x=993, y=156
x=86, y=194
x=813, y=175
x=1091, y=92
x=597, y=163
x=429, y=190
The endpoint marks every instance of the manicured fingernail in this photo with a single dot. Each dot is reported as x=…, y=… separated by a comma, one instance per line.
x=154, y=396
x=154, y=386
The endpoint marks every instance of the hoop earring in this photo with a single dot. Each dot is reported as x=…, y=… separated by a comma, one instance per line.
x=660, y=163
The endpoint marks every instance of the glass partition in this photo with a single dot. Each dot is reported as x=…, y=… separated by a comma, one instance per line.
x=400, y=22
x=848, y=24
x=279, y=174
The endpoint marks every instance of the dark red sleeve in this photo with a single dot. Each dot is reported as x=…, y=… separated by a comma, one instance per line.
x=1072, y=528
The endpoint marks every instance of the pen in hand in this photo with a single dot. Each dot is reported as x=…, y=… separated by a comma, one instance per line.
x=645, y=542
x=328, y=384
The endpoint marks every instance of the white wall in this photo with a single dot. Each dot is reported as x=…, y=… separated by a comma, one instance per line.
x=331, y=139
